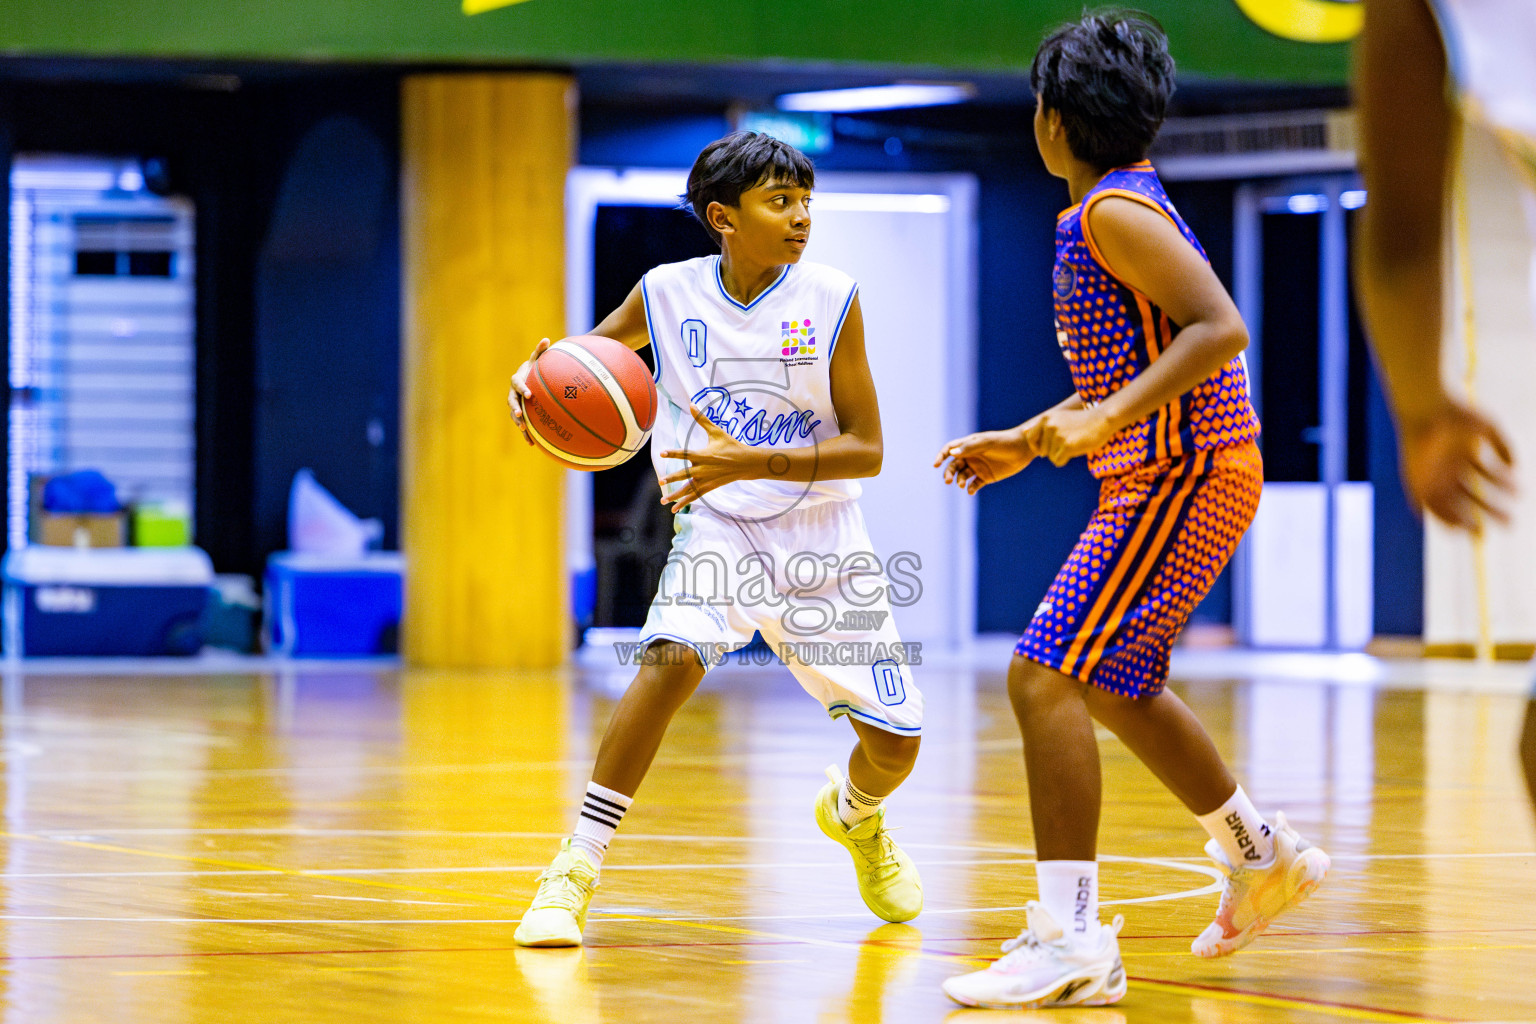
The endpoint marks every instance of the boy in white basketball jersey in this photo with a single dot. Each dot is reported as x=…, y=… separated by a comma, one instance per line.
x=767, y=418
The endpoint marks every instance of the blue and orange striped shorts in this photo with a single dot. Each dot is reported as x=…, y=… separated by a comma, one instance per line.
x=1161, y=535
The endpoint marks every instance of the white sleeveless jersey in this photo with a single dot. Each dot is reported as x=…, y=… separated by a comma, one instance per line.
x=1491, y=49
x=761, y=371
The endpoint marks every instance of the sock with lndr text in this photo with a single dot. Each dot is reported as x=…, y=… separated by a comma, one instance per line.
x=601, y=812
x=1241, y=832
x=1069, y=890
x=854, y=805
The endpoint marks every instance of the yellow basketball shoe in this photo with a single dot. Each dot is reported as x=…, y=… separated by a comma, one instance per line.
x=888, y=879
x=558, y=912
x=1253, y=897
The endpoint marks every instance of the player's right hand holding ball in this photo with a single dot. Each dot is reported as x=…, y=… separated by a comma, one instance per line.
x=985, y=458
x=519, y=389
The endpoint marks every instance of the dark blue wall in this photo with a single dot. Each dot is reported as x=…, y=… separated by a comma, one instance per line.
x=328, y=326
x=1399, y=534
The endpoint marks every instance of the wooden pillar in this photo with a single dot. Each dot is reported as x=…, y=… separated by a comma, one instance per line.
x=484, y=162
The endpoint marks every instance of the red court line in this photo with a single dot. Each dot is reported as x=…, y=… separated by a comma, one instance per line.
x=1329, y=1003
x=1227, y=989
x=8, y=958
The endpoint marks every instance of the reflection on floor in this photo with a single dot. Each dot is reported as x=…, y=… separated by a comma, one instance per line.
x=331, y=844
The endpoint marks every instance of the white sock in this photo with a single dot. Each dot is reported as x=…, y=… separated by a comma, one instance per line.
x=1241, y=832
x=854, y=805
x=601, y=813
x=1069, y=890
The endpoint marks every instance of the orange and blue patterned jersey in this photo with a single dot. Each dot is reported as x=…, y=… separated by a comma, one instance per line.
x=1110, y=332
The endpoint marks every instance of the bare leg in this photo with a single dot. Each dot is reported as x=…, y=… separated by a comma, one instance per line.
x=1061, y=758
x=1170, y=740
x=644, y=712
x=881, y=760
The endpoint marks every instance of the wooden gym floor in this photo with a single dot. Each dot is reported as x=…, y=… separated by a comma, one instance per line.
x=357, y=844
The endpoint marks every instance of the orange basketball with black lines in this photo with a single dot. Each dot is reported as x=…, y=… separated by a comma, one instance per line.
x=593, y=402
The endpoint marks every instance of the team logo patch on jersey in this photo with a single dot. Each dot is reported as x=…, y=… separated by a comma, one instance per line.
x=1064, y=279
x=798, y=337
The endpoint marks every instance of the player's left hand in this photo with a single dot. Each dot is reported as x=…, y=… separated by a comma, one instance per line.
x=719, y=461
x=1061, y=435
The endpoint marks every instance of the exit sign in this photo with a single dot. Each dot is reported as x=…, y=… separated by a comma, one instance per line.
x=809, y=132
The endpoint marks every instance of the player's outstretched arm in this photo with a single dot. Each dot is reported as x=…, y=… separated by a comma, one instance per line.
x=992, y=455
x=625, y=325
x=1143, y=248
x=1406, y=127
x=855, y=452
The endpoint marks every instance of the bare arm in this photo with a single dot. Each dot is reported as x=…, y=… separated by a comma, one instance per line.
x=988, y=456
x=1405, y=132
x=857, y=451
x=1143, y=248
x=625, y=325
x=1407, y=124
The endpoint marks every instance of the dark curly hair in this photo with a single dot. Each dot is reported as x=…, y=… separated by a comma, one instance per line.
x=1109, y=76
x=727, y=167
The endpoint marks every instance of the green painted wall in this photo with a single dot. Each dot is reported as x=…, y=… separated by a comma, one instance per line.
x=1211, y=38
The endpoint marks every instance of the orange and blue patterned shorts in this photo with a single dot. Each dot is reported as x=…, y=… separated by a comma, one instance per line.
x=1161, y=535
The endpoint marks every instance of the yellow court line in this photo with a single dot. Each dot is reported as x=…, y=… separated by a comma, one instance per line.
x=1280, y=1002
x=151, y=974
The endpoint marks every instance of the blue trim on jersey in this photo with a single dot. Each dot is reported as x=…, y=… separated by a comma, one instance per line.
x=837, y=332
x=751, y=305
x=650, y=328
x=646, y=641
x=849, y=709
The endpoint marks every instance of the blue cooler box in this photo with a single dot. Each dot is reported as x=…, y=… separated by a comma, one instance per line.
x=124, y=602
x=320, y=606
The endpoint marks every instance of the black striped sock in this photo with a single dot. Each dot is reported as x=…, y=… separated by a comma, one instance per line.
x=854, y=805
x=601, y=812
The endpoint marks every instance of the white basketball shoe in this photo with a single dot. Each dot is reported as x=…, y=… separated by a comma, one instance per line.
x=1045, y=968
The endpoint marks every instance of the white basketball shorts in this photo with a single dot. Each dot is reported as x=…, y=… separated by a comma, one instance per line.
x=810, y=582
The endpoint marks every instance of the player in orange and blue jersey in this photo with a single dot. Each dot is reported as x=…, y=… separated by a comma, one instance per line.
x=1161, y=411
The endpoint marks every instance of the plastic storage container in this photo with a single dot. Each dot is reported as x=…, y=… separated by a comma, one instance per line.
x=321, y=606
x=123, y=602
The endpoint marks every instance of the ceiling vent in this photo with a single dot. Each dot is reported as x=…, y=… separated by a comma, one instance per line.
x=1255, y=145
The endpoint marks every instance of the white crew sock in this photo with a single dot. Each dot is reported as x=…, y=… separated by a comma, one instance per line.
x=854, y=805
x=1241, y=832
x=1069, y=890
x=601, y=813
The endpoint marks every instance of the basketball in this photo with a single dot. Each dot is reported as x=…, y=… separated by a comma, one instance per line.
x=593, y=402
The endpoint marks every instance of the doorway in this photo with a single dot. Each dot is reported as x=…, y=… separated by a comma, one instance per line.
x=909, y=241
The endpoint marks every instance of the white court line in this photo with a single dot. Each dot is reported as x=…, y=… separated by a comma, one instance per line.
x=344, y=833
x=321, y=769
x=1167, y=862
x=492, y=869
